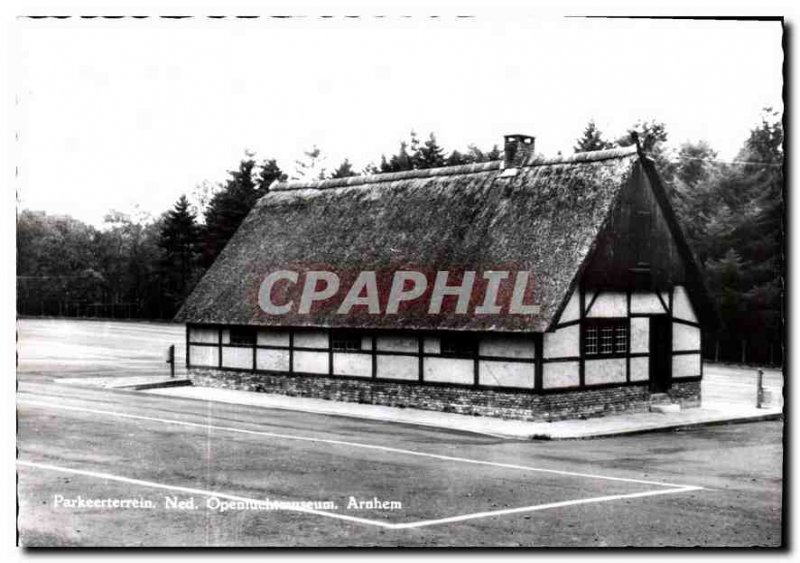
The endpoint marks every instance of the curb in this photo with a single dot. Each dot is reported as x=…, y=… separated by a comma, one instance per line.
x=156, y=385
x=666, y=427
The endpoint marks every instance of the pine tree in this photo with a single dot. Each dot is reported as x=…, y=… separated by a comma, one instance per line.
x=179, y=242
x=398, y=162
x=344, y=170
x=592, y=139
x=428, y=155
x=231, y=204
x=268, y=173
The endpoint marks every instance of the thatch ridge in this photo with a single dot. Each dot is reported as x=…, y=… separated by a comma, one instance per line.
x=591, y=156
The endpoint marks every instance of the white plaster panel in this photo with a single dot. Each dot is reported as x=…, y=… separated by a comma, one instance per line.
x=640, y=335
x=573, y=309
x=204, y=356
x=352, y=364
x=241, y=358
x=561, y=374
x=272, y=360
x=449, y=370
x=226, y=336
x=273, y=338
x=398, y=367
x=200, y=334
x=563, y=343
x=640, y=368
x=310, y=362
x=685, y=337
x=311, y=339
x=609, y=304
x=605, y=371
x=510, y=346
x=681, y=306
x=646, y=302
x=685, y=365
x=397, y=343
x=366, y=343
x=505, y=374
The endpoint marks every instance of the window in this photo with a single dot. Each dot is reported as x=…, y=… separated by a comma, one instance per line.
x=590, y=340
x=461, y=345
x=621, y=339
x=243, y=336
x=605, y=337
x=346, y=342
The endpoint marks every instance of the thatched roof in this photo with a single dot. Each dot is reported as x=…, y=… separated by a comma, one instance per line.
x=544, y=219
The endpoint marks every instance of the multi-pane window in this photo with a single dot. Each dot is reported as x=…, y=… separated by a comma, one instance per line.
x=459, y=345
x=607, y=340
x=243, y=335
x=590, y=340
x=621, y=339
x=605, y=337
x=345, y=342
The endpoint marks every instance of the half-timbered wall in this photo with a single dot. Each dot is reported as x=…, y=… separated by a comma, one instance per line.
x=565, y=365
x=548, y=362
x=498, y=361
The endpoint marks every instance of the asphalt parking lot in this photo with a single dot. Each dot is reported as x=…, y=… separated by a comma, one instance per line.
x=195, y=471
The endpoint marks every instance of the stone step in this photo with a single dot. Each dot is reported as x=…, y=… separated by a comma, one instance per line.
x=665, y=408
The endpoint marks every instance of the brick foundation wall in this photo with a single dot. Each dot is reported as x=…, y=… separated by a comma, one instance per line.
x=686, y=393
x=462, y=400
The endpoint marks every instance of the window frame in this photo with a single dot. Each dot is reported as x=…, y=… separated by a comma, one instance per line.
x=593, y=342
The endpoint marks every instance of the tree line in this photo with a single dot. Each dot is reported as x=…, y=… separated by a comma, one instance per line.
x=137, y=266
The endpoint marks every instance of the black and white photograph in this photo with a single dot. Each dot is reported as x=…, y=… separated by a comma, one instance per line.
x=467, y=278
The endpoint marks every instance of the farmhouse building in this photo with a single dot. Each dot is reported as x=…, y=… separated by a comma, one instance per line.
x=609, y=315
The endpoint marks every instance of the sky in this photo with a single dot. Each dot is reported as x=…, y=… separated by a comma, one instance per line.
x=130, y=114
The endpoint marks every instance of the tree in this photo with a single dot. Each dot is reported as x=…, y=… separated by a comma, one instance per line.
x=592, y=139
x=428, y=155
x=456, y=158
x=398, y=162
x=652, y=136
x=344, y=170
x=732, y=214
x=230, y=205
x=268, y=172
x=179, y=241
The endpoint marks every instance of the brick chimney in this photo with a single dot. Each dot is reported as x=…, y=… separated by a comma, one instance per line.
x=517, y=149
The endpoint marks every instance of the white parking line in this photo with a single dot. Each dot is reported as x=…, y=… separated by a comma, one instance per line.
x=334, y=515
x=351, y=444
x=534, y=508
